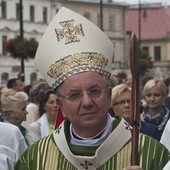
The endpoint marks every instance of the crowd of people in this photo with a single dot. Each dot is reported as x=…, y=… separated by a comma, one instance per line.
x=76, y=118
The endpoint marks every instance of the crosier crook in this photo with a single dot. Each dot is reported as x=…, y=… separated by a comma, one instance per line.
x=134, y=119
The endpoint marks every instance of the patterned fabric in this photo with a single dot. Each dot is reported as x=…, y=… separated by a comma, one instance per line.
x=159, y=120
x=154, y=126
x=45, y=155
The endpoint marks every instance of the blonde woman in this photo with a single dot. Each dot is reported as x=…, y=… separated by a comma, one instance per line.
x=121, y=100
x=155, y=114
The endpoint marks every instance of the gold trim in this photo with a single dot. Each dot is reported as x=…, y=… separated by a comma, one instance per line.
x=79, y=62
x=84, y=59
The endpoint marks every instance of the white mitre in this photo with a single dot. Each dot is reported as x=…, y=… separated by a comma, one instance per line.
x=72, y=44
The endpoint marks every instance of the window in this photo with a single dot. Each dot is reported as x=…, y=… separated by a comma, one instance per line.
x=146, y=49
x=44, y=15
x=32, y=13
x=4, y=38
x=17, y=11
x=111, y=23
x=87, y=15
x=157, y=53
x=3, y=7
x=4, y=78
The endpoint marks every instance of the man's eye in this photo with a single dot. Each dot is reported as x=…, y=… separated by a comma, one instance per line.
x=94, y=91
x=74, y=96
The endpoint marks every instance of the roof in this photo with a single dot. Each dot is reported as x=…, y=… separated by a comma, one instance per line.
x=104, y=2
x=156, y=25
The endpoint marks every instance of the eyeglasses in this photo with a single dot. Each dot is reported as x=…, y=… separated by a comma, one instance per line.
x=122, y=102
x=94, y=93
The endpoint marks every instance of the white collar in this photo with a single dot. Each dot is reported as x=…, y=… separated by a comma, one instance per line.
x=93, y=141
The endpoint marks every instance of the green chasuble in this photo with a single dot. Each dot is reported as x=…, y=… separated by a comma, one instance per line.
x=54, y=153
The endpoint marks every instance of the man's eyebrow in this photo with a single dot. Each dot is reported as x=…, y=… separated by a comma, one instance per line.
x=95, y=85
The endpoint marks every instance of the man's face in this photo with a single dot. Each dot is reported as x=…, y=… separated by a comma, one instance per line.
x=19, y=85
x=87, y=112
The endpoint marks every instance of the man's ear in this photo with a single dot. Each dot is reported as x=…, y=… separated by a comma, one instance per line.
x=110, y=94
x=59, y=102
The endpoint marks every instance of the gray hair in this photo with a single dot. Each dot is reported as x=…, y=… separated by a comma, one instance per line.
x=119, y=89
x=11, y=100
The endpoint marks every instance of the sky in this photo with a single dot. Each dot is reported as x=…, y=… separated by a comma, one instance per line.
x=144, y=1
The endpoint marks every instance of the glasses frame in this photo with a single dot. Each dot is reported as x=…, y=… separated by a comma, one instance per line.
x=82, y=93
x=122, y=102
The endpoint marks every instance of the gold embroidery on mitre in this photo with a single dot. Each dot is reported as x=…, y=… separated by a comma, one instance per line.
x=69, y=31
x=76, y=61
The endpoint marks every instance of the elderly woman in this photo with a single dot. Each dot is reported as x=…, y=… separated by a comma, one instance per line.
x=155, y=115
x=12, y=144
x=44, y=126
x=121, y=99
x=14, y=107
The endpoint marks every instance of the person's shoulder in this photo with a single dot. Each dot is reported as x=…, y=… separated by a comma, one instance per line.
x=10, y=133
x=43, y=142
x=145, y=139
x=35, y=124
x=168, y=124
x=9, y=128
x=41, y=148
x=32, y=107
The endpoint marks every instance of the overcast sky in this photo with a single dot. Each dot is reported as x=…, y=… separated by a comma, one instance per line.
x=143, y=1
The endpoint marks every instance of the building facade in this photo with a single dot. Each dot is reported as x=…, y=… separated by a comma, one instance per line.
x=152, y=26
x=37, y=14
x=115, y=19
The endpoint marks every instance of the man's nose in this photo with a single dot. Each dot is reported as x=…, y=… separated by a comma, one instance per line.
x=86, y=99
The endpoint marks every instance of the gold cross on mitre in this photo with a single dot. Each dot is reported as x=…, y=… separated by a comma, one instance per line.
x=69, y=31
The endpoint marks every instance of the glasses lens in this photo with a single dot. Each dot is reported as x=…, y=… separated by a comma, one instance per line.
x=95, y=93
x=123, y=102
x=74, y=97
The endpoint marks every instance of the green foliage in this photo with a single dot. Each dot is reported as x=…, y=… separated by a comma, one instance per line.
x=21, y=48
x=145, y=62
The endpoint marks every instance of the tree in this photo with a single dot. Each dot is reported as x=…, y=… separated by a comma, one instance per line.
x=19, y=48
x=145, y=62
